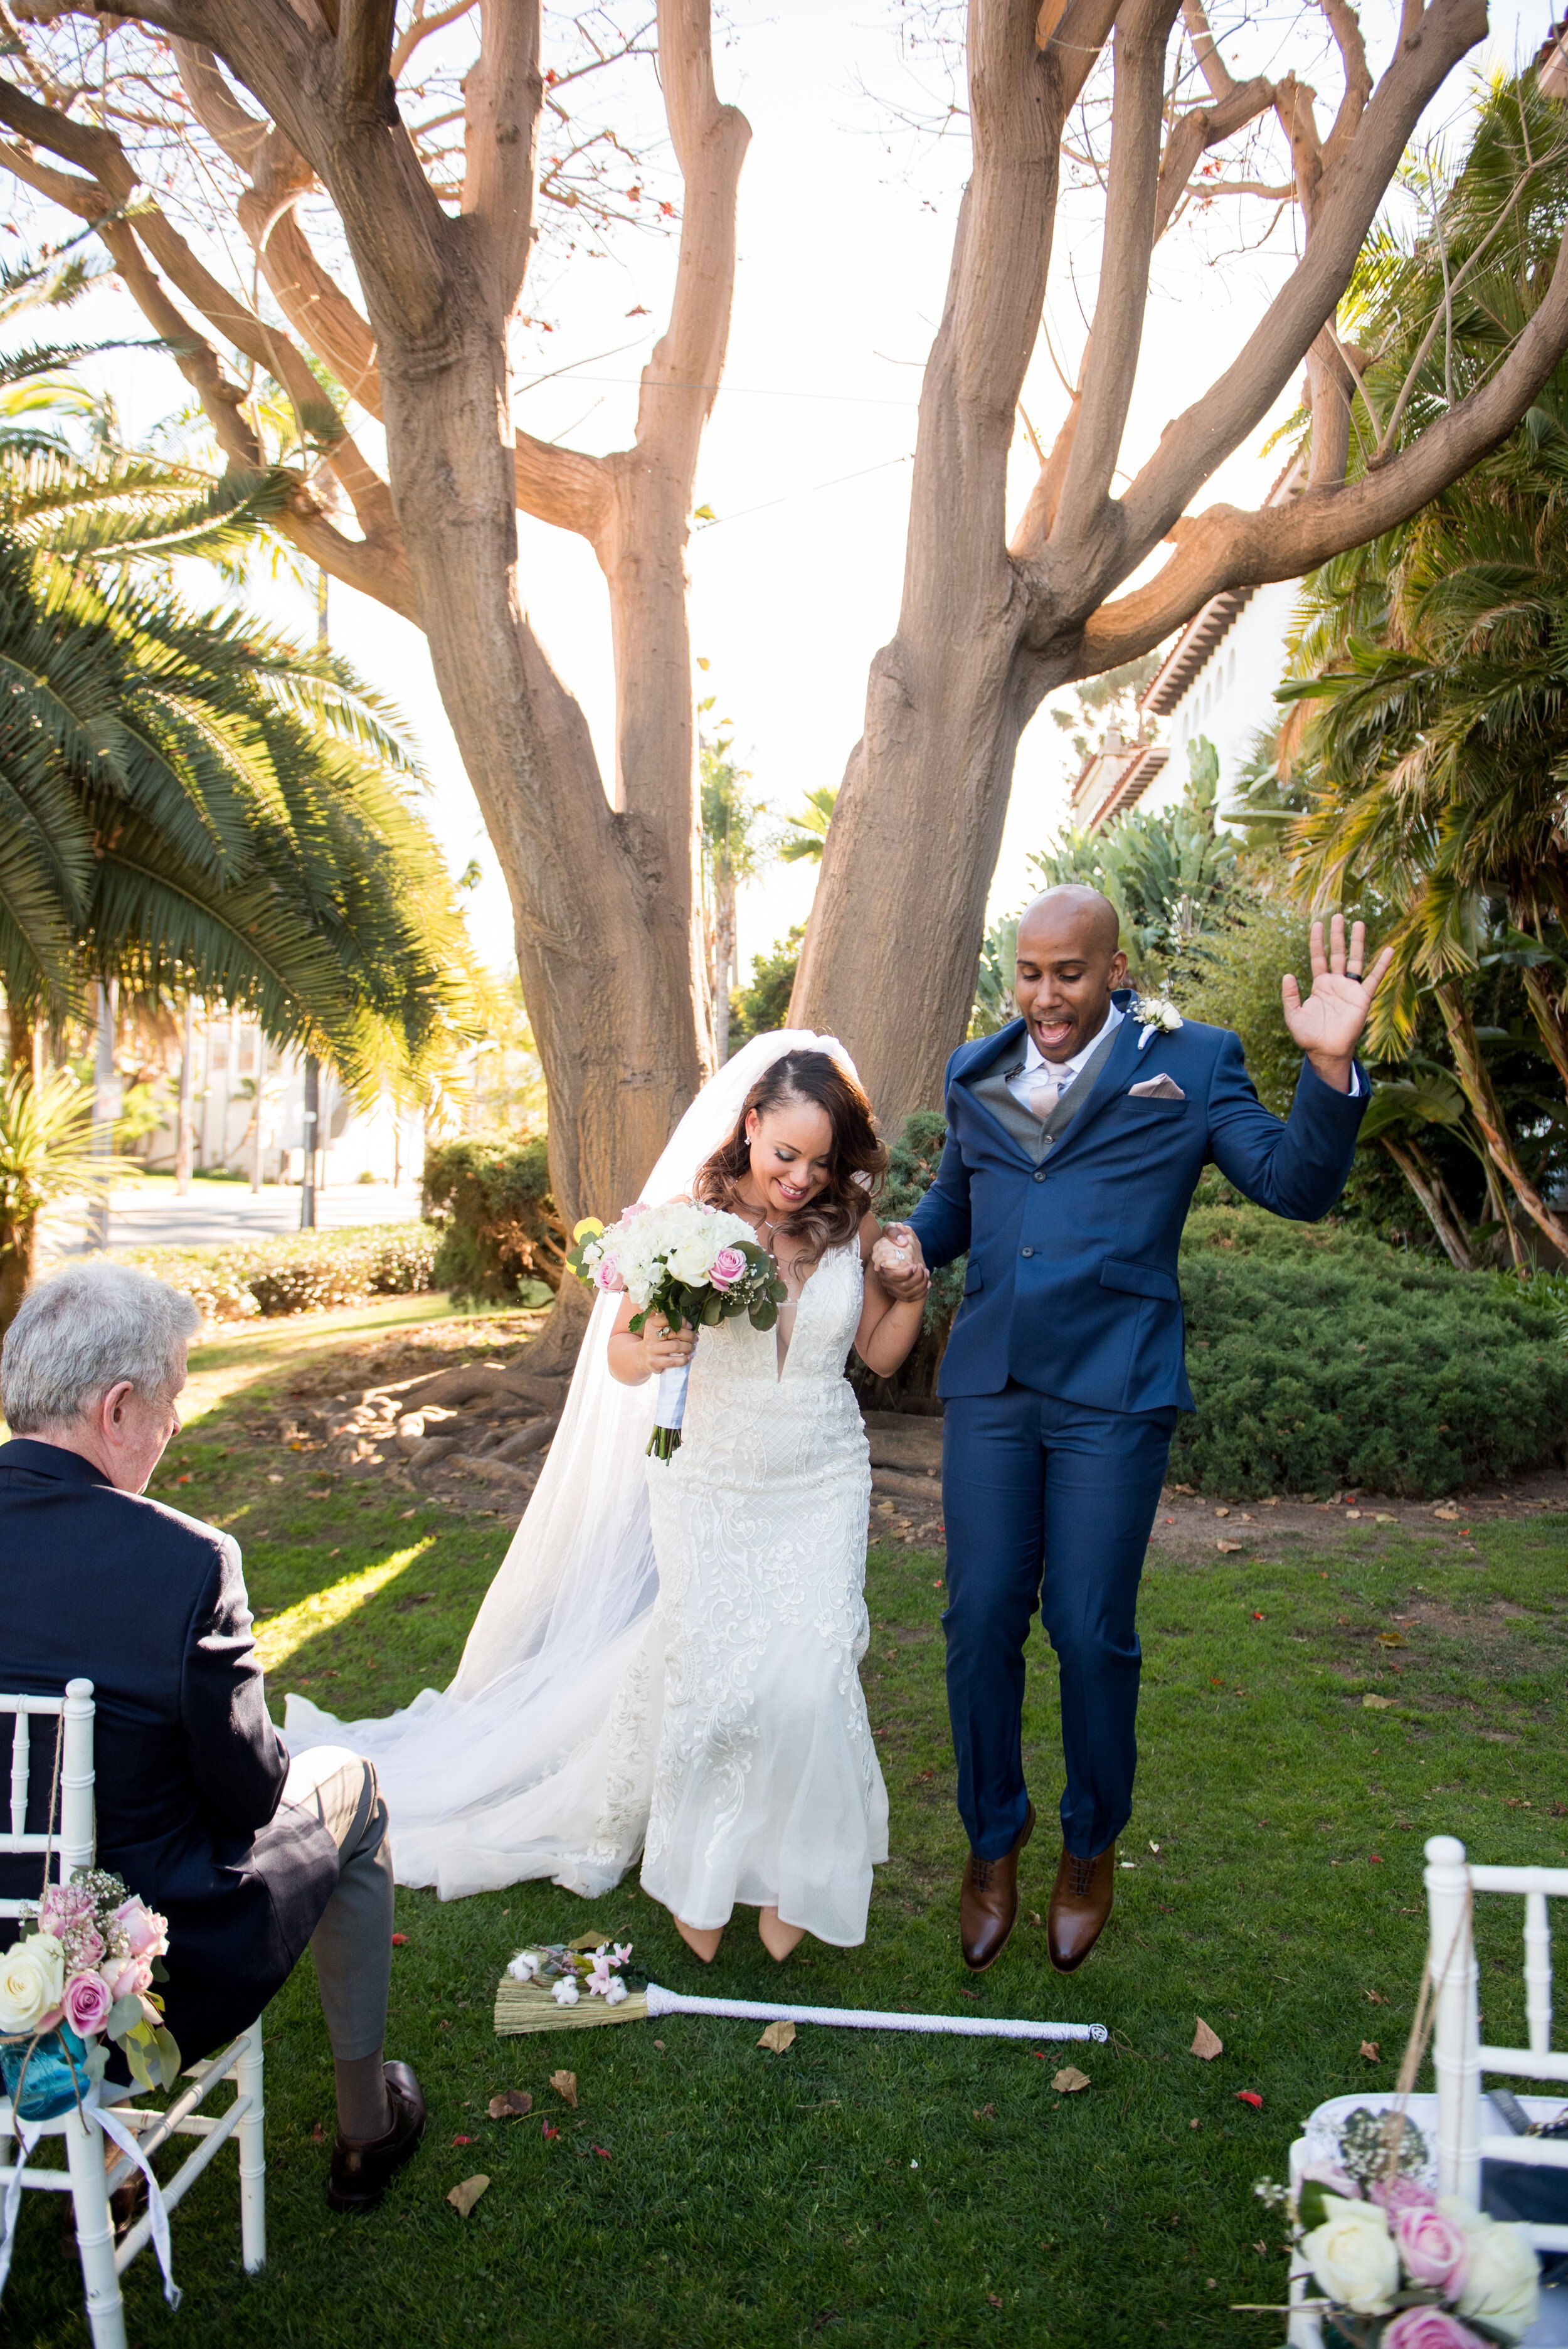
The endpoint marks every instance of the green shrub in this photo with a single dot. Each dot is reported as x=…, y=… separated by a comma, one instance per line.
x=1320, y=1358
x=499, y=1234
x=297, y=1272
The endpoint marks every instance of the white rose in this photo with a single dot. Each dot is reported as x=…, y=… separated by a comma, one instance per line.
x=1354, y=2256
x=32, y=1979
x=693, y=1260
x=1503, y=2285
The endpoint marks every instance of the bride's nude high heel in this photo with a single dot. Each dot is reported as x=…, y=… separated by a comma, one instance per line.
x=702, y=1939
x=777, y=1939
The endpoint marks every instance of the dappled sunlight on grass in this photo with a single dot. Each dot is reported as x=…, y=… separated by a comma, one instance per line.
x=324, y=1611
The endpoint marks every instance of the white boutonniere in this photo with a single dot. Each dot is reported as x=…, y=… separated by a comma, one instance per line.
x=1157, y=1016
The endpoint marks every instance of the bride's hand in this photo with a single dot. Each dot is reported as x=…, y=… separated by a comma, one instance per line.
x=899, y=1264
x=667, y=1348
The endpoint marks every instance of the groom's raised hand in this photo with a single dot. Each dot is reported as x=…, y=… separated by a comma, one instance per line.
x=1328, y=1023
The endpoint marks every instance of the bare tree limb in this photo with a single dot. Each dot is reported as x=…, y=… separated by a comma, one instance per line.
x=1194, y=132
x=1345, y=27
x=501, y=98
x=1072, y=37
x=563, y=486
x=364, y=48
x=1225, y=547
x=1111, y=362
x=1196, y=444
x=231, y=126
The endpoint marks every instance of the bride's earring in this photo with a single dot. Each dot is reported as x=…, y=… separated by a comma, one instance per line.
x=702, y=1939
x=778, y=1940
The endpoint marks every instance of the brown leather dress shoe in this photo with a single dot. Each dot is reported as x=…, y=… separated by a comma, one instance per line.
x=361, y=2173
x=1081, y=1905
x=988, y=1903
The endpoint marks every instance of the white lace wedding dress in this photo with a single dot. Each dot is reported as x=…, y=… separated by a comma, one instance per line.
x=667, y=1661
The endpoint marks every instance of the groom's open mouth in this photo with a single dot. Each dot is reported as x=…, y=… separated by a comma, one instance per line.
x=1052, y=1036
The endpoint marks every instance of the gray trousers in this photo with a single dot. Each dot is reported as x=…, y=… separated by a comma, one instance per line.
x=352, y=1945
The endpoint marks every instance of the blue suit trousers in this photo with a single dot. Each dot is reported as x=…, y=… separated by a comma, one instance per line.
x=1047, y=1504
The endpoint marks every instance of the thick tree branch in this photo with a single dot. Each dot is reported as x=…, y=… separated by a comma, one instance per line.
x=1203, y=127
x=1111, y=362
x=1345, y=27
x=1192, y=446
x=1225, y=547
x=563, y=486
x=231, y=126
x=1072, y=37
x=501, y=98
x=364, y=48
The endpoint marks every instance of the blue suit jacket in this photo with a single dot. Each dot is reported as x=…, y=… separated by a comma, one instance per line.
x=150, y=1605
x=1072, y=1286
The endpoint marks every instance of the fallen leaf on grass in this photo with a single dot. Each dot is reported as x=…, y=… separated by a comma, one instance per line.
x=1370, y=2051
x=603, y=2152
x=1392, y=1640
x=565, y=2086
x=318, y=2134
x=511, y=2106
x=400, y=1941
x=1376, y=1703
x=1206, y=2043
x=983, y=2113
x=1069, y=2082
x=660, y=2045
x=551, y=2130
x=463, y=2198
x=1227, y=1545
x=777, y=2037
x=993, y=2300
x=1250, y=2097
x=462, y=2140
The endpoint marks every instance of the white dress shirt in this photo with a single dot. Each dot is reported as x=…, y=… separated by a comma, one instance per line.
x=1018, y=1084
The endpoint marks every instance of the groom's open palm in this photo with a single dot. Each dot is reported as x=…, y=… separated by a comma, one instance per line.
x=1328, y=1024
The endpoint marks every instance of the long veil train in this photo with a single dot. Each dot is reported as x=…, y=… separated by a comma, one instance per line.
x=511, y=1771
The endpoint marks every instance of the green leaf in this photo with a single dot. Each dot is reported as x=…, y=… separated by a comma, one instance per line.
x=1313, y=2204
x=124, y=2015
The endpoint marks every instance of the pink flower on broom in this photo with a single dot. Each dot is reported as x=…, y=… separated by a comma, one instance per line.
x=728, y=1266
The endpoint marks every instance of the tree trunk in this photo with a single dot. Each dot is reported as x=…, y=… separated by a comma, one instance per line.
x=1432, y=1192
x=1476, y=1079
x=1503, y=1215
x=21, y=1039
x=723, y=962
x=1547, y=1006
x=19, y=1258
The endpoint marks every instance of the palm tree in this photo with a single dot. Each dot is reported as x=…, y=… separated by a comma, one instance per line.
x=806, y=834
x=1432, y=665
x=46, y=1154
x=735, y=845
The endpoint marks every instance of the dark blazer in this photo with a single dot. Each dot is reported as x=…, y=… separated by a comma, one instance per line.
x=1073, y=1228
x=150, y=1607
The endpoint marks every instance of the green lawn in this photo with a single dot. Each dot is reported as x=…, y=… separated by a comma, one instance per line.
x=860, y=2191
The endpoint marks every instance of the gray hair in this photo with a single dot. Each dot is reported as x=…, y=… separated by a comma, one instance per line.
x=82, y=1332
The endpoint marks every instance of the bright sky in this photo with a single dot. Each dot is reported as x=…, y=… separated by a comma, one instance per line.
x=845, y=232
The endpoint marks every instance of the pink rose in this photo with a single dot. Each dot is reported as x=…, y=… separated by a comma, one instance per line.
x=126, y=1977
x=1329, y=2175
x=146, y=1932
x=728, y=1266
x=1396, y=2194
x=607, y=1274
x=87, y=2004
x=1429, y=2328
x=63, y=1908
x=1433, y=2249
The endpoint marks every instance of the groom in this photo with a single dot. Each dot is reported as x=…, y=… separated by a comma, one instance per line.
x=1076, y=1137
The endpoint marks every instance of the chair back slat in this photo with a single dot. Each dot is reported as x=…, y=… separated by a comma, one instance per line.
x=21, y=1752
x=72, y=1843
x=1538, y=1972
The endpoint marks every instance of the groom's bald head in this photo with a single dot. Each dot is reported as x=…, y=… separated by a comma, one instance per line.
x=1069, y=959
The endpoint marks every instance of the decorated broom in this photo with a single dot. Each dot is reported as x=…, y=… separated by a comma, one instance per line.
x=580, y=1984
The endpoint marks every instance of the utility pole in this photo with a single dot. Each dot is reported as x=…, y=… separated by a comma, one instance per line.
x=105, y=1106
x=311, y=1121
x=183, y=1134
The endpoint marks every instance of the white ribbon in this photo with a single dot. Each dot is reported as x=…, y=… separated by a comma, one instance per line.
x=29, y=2134
x=670, y=1394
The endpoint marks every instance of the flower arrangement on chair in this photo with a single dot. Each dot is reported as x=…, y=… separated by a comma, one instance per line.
x=83, y=1975
x=1399, y=2266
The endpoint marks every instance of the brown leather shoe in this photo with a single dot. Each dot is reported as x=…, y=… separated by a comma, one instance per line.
x=988, y=1903
x=361, y=2173
x=1080, y=1906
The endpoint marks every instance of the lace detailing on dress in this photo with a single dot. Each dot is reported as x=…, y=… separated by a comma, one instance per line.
x=762, y=1780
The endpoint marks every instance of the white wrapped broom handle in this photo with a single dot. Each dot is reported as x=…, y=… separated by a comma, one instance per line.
x=967, y=2026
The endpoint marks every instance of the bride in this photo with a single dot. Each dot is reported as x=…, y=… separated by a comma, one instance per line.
x=667, y=1659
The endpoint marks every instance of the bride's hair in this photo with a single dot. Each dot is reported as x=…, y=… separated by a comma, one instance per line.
x=856, y=1166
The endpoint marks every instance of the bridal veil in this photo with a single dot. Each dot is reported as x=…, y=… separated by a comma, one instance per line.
x=504, y=1775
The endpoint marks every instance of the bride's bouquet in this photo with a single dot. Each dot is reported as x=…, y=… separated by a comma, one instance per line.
x=691, y=1264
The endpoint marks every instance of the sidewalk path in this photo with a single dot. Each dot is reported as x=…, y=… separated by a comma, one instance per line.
x=143, y=1218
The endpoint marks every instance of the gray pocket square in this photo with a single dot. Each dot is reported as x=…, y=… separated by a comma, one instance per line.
x=1159, y=1088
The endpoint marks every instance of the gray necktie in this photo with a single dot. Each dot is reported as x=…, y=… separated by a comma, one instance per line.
x=1045, y=1086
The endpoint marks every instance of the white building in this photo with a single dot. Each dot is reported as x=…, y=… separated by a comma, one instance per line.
x=1217, y=682
x=230, y=1058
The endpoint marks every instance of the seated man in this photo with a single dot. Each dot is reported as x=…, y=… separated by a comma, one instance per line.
x=249, y=1855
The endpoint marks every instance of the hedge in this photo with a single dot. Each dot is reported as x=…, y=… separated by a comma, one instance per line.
x=297, y=1272
x=499, y=1237
x=1321, y=1359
